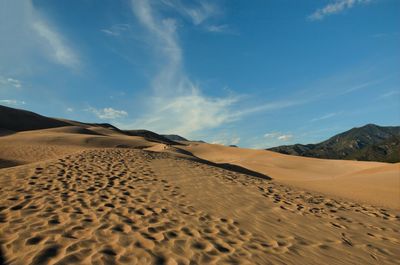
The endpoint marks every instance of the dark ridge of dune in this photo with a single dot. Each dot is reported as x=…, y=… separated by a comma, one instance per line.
x=174, y=137
x=73, y=129
x=22, y=120
x=17, y=120
x=8, y=163
x=151, y=136
x=5, y=132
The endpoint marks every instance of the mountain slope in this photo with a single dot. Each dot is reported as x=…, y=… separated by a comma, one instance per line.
x=369, y=143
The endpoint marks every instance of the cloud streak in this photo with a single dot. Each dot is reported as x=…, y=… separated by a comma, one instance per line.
x=116, y=30
x=10, y=82
x=177, y=105
x=60, y=51
x=12, y=102
x=324, y=117
x=197, y=13
x=31, y=37
x=335, y=7
x=107, y=113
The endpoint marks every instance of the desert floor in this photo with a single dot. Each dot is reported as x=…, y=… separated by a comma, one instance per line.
x=74, y=198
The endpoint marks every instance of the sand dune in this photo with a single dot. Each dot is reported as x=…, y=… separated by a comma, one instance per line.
x=94, y=195
x=367, y=182
x=126, y=206
x=38, y=145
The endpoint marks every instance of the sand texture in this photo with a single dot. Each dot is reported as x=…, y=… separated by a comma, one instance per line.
x=365, y=182
x=124, y=206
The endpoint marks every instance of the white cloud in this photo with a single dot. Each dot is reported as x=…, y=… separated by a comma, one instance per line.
x=278, y=136
x=197, y=13
x=12, y=102
x=269, y=106
x=108, y=113
x=217, y=28
x=285, y=137
x=60, y=51
x=5, y=82
x=324, y=117
x=70, y=110
x=223, y=28
x=186, y=114
x=390, y=94
x=177, y=105
x=225, y=138
x=116, y=30
x=235, y=141
x=31, y=37
x=335, y=7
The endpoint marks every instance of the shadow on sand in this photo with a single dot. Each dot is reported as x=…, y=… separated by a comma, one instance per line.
x=235, y=168
x=2, y=258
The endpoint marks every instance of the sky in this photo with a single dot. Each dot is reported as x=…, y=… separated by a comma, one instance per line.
x=255, y=74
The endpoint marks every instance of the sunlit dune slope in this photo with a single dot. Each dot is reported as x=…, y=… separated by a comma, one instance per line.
x=371, y=182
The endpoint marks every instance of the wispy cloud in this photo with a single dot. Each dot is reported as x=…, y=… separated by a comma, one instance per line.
x=285, y=137
x=116, y=30
x=188, y=113
x=271, y=139
x=197, y=13
x=364, y=85
x=335, y=7
x=278, y=136
x=270, y=106
x=221, y=28
x=324, y=117
x=107, y=113
x=12, y=102
x=227, y=140
x=177, y=104
x=59, y=50
x=10, y=82
x=390, y=94
x=385, y=35
x=29, y=36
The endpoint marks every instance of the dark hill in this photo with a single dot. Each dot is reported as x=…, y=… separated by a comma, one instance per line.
x=369, y=143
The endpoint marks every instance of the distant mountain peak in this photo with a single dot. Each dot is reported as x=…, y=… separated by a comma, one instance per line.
x=370, y=142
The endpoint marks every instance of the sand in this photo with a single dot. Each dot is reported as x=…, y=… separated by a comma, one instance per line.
x=99, y=197
x=365, y=182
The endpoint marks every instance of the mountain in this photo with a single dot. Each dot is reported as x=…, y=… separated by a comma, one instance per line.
x=369, y=143
x=174, y=137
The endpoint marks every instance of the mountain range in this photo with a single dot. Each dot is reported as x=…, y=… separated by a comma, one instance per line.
x=368, y=143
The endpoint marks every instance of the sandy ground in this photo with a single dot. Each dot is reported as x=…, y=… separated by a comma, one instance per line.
x=365, y=182
x=73, y=201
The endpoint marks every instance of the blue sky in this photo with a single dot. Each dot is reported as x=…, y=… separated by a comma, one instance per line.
x=253, y=73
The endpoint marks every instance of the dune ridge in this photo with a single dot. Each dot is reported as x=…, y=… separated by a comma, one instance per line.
x=374, y=183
